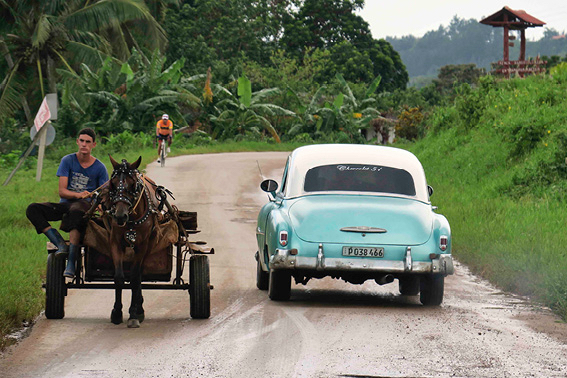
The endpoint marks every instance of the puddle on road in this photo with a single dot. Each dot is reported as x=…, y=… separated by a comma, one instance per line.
x=243, y=220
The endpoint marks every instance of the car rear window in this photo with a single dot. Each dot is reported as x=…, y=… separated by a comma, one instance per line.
x=359, y=178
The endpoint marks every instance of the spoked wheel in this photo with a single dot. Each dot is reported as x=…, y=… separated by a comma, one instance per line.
x=162, y=157
x=199, y=287
x=432, y=287
x=279, y=287
x=55, y=288
x=262, y=278
x=409, y=285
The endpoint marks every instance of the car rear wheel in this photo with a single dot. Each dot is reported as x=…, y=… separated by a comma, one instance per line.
x=409, y=285
x=432, y=288
x=262, y=278
x=279, y=288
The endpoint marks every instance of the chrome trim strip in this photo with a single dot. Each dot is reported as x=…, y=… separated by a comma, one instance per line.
x=365, y=229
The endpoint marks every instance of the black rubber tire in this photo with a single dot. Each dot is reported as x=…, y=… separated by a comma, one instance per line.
x=162, y=157
x=262, y=278
x=409, y=285
x=279, y=286
x=199, y=287
x=55, y=289
x=432, y=287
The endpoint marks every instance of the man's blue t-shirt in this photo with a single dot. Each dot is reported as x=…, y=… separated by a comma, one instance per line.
x=81, y=179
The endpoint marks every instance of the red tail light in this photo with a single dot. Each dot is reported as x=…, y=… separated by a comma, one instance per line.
x=443, y=242
x=283, y=238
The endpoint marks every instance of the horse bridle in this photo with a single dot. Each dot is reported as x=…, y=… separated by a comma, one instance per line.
x=131, y=199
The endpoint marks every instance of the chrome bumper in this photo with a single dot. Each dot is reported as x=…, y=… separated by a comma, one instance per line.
x=441, y=264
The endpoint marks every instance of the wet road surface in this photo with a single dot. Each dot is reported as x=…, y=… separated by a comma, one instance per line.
x=328, y=329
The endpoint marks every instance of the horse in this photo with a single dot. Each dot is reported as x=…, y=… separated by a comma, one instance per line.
x=132, y=207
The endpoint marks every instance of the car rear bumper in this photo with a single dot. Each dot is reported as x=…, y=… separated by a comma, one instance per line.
x=439, y=264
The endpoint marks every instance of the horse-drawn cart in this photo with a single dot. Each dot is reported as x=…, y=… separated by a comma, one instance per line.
x=168, y=252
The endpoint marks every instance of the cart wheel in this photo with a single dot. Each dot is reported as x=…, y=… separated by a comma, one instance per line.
x=55, y=289
x=279, y=287
x=199, y=287
x=261, y=276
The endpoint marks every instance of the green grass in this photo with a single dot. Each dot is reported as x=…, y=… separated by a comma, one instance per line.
x=501, y=182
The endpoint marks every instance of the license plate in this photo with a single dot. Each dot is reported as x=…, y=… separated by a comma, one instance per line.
x=363, y=251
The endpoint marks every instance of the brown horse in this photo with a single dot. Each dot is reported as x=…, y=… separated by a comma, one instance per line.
x=133, y=207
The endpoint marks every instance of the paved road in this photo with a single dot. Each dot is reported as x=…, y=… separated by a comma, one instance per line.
x=328, y=329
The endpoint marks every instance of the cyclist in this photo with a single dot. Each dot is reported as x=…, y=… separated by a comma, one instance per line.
x=164, y=130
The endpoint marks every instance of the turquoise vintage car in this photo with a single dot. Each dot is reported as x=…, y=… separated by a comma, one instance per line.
x=354, y=212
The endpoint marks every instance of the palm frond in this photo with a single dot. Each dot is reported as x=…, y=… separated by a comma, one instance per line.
x=86, y=54
x=42, y=31
x=11, y=89
x=100, y=15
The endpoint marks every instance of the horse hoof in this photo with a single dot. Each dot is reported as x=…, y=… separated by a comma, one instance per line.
x=116, y=317
x=133, y=323
x=141, y=317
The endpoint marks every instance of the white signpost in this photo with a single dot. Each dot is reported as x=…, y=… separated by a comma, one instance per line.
x=47, y=112
x=44, y=114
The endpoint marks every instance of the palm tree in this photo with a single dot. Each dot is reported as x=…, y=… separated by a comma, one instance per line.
x=37, y=36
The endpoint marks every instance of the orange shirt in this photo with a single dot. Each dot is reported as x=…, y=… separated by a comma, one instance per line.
x=164, y=127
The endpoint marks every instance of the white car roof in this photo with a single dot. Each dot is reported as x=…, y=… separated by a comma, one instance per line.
x=304, y=158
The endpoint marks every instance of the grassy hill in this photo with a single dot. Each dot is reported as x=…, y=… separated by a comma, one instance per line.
x=497, y=159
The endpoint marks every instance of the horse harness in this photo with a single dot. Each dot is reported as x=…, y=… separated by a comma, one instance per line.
x=121, y=194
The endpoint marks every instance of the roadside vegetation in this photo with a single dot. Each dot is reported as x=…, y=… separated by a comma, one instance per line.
x=497, y=158
x=495, y=150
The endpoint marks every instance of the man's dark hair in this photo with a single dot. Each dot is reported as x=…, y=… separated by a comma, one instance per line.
x=87, y=131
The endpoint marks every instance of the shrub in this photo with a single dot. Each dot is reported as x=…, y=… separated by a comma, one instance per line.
x=409, y=123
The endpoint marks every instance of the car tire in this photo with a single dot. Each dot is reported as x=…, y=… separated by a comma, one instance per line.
x=55, y=289
x=279, y=287
x=262, y=278
x=432, y=287
x=409, y=285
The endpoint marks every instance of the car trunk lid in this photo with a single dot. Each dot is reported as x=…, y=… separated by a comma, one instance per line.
x=361, y=219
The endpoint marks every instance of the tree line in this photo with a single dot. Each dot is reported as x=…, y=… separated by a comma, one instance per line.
x=118, y=64
x=466, y=41
x=291, y=70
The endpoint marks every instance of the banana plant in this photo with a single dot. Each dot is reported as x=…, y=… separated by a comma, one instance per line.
x=345, y=113
x=131, y=95
x=248, y=112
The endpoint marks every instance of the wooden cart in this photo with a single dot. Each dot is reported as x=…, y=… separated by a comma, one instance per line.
x=95, y=270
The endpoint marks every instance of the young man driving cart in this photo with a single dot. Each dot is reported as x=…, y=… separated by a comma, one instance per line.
x=79, y=174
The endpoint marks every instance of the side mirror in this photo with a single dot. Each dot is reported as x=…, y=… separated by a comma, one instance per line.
x=269, y=186
x=430, y=190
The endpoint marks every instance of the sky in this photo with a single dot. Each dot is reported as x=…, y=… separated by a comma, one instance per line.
x=397, y=18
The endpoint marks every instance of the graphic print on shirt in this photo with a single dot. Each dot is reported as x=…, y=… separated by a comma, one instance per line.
x=78, y=182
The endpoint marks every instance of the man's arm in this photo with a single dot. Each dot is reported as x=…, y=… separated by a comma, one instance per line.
x=68, y=194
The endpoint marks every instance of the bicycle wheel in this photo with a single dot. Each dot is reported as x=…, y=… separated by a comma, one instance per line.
x=162, y=157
